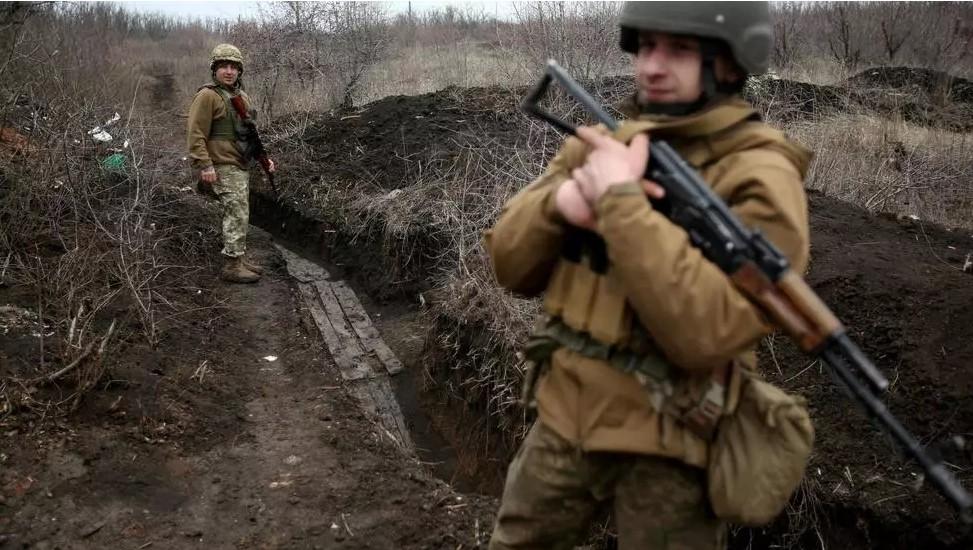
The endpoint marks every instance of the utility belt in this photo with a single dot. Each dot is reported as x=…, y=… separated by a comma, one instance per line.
x=654, y=373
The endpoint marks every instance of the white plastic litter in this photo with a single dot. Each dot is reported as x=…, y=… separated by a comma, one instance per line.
x=98, y=134
x=270, y=358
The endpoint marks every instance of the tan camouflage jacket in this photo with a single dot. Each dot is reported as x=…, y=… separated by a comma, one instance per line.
x=694, y=316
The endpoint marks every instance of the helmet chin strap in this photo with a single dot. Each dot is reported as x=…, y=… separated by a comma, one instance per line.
x=711, y=89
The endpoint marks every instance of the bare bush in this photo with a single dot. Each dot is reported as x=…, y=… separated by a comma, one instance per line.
x=326, y=48
x=88, y=230
x=855, y=35
x=581, y=36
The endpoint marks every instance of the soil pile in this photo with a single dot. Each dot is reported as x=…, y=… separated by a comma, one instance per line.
x=898, y=286
x=921, y=96
x=393, y=141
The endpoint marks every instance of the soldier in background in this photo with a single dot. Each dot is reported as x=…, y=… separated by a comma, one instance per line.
x=218, y=148
x=637, y=352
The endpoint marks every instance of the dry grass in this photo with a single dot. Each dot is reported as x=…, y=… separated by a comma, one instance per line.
x=419, y=69
x=891, y=166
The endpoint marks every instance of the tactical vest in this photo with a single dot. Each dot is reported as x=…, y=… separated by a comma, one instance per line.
x=231, y=127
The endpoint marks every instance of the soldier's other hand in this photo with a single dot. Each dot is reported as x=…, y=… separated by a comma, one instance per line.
x=610, y=162
x=573, y=206
x=653, y=189
x=208, y=175
x=271, y=167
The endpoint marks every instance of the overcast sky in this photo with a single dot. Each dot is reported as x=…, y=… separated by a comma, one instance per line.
x=232, y=9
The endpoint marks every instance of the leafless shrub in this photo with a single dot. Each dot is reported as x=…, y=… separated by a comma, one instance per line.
x=855, y=35
x=581, y=36
x=313, y=55
x=88, y=227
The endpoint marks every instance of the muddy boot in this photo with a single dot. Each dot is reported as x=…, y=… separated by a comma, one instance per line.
x=252, y=266
x=235, y=272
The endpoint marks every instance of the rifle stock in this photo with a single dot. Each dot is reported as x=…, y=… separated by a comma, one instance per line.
x=764, y=275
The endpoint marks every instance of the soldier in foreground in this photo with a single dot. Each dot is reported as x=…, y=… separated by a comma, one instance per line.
x=222, y=143
x=643, y=352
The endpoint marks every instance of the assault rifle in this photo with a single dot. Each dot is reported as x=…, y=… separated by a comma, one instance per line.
x=758, y=270
x=257, y=147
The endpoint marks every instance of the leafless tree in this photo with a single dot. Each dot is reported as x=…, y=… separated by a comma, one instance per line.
x=581, y=36
x=896, y=27
x=326, y=47
x=844, y=36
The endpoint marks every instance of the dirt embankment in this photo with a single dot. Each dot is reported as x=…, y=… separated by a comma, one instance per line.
x=897, y=284
x=924, y=97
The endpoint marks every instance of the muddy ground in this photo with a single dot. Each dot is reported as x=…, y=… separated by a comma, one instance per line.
x=203, y=442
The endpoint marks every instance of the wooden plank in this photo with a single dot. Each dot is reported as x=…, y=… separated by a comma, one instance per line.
x=349, y=342
x=349, y=369
x=301, y=269
x=370, y=338
x=378, y=398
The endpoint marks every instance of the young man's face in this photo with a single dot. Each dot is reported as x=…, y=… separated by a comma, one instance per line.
x=667, y=68
x=227, y=72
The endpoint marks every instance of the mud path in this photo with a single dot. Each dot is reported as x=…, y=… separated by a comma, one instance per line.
x=239, y=452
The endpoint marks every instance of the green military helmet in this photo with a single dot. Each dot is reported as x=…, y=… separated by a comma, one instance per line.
x=226, y=52
x=744, y=26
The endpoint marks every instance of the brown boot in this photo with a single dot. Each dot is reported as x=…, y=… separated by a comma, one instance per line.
x=252, y=266
x=235, y=272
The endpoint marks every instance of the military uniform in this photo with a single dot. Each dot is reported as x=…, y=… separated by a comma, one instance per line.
x=217, y=138
x=611, y=435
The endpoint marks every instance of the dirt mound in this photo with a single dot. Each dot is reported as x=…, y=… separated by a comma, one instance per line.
x=396, y=140
x=930, y=81
x=922, y=96
x=391, y=142
x=899, y=287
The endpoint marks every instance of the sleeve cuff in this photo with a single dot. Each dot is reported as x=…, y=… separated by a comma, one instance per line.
x=550, y=206
x=618, y=204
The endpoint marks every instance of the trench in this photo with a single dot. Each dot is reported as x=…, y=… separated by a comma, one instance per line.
x=393, y=313
x=393, y=306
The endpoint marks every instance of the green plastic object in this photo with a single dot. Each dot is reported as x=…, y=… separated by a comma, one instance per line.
x=116, y=163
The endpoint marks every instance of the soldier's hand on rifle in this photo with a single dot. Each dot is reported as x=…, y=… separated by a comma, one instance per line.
x=612, y=163
x=208, y=175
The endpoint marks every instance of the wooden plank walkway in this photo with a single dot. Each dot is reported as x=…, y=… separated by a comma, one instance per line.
x=362, y=323
x=364, y=360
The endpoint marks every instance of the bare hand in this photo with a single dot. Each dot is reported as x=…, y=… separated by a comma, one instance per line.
x=612, y=163
x=208, y=175
x=573, y=206
x=271, y=167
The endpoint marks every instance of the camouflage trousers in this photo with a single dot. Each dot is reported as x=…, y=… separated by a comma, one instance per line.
x=233, y=189
x=554, y=491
